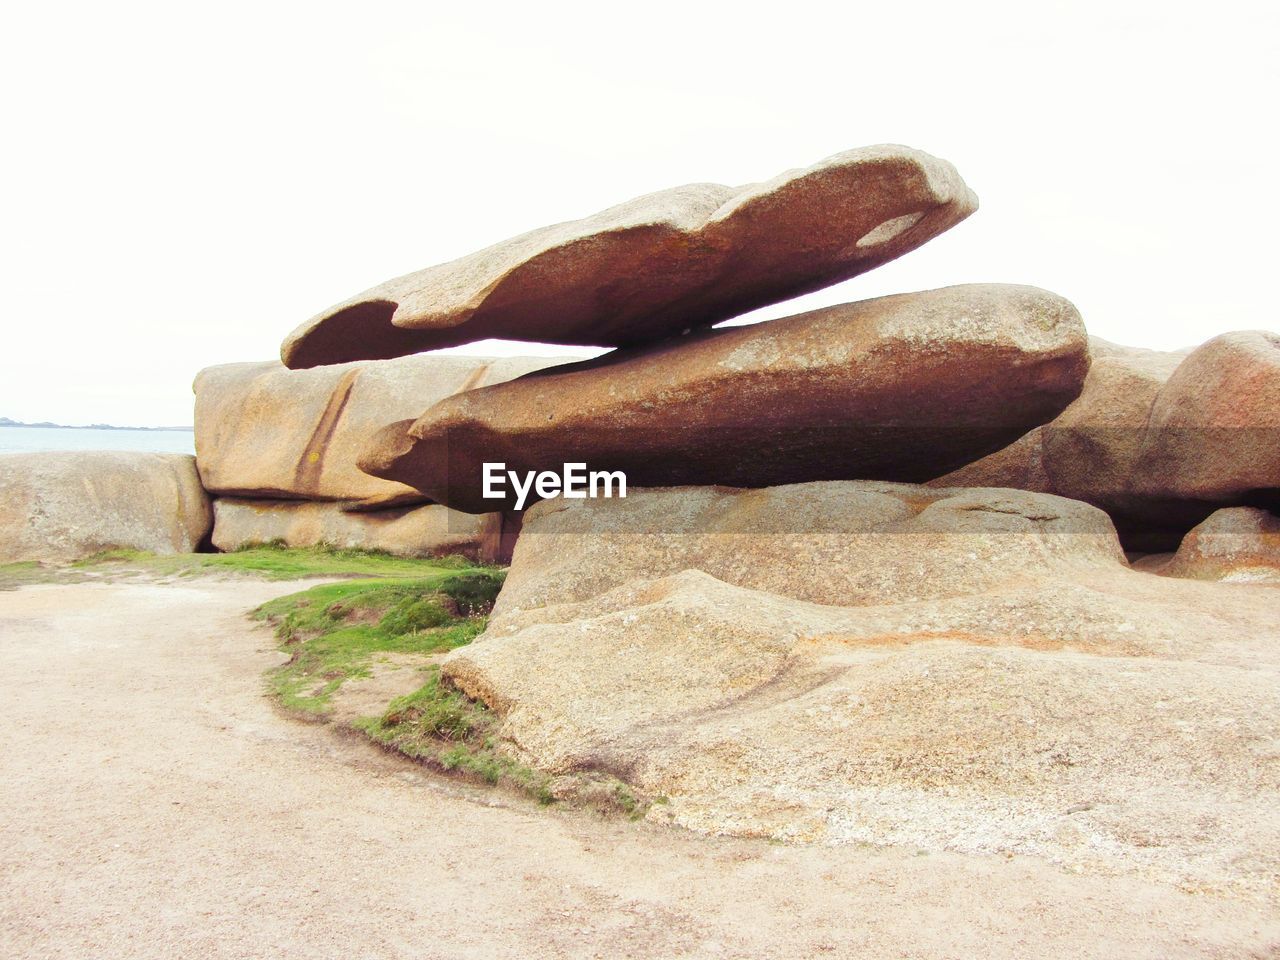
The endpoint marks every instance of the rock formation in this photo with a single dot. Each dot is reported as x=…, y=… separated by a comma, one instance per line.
x=972, y=670
x=1090, y=450
x=416, y=531
x=900, y=388
x=768, y=636
x=658, y=265
x=278, y=448
x=1214, y=431
x=263, y=431
x=1158, y=440
x=849, y=543
x=1236, y=544
x=64, y=506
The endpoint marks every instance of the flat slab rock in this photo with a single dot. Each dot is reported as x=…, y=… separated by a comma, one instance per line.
x=961, y=669
x=64, y=506
x=902, y=388
x=263, y=431
x=655, y=266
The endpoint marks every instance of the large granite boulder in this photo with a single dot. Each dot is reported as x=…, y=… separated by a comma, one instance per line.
x=1090, y=450
x=263, y=431
x=657, y=265
x=900, y=388
x=418, y=531
x=848, y=543
x=1214, y=431
x=63, y=506
x=1158, y=440
x=973, y=670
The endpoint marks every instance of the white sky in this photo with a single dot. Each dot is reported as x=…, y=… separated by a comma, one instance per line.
x=182, y=184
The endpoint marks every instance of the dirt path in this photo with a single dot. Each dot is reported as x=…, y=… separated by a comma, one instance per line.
x=136, y=821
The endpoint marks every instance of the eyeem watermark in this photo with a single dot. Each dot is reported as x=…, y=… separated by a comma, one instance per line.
x=574, y=482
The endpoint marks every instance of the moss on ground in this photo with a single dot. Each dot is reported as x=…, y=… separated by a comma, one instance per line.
x=15, y=575
x=336, y=632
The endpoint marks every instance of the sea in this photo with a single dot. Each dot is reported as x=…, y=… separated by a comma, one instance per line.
x=36, y=439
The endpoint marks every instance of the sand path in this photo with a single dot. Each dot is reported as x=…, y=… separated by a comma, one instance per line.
x=152, y=804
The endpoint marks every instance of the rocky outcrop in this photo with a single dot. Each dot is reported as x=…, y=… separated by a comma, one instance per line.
x=1090, y=451
x=1236, y=544
x=264, y=431
x=418, y=531
x=900, y=388
x=851, y=543
x=658, y=265
x=858, y=662
x=63, y=506
x=1214, y=431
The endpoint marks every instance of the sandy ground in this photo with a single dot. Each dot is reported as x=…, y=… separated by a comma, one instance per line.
x=152, y=804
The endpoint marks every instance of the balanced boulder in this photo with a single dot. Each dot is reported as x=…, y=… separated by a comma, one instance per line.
x=265, y=431
x=972, y=670
x=64, y=506
x=658, y=265
x=416, y=531
x=899, y=388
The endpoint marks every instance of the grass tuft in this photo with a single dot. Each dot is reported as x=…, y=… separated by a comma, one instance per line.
x=443, y=727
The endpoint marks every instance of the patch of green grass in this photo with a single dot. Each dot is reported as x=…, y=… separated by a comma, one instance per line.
x=625, y=799
x=335, y=631
x=441, y=726
x=15, y=575
x=273, y=562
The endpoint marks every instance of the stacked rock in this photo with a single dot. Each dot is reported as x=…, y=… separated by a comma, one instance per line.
x=277, y=450
x=981, y=385
x=902, y=388
x=866, y=585
x=821, y=612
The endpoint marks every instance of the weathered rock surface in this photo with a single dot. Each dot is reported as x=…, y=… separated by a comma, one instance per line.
x=655, y=266
x=1237, y=544
x=850, y=543
x=1091, y=449
x=1089, y=452
x=1102, y=430
x=265, y=431
x=1158, y=440
x=417, y=531
x=958, y=669
x=899, y=388
x=63, y=506
x=1214, y=431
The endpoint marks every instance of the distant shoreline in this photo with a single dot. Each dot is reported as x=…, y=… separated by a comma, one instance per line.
x=6, y=422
